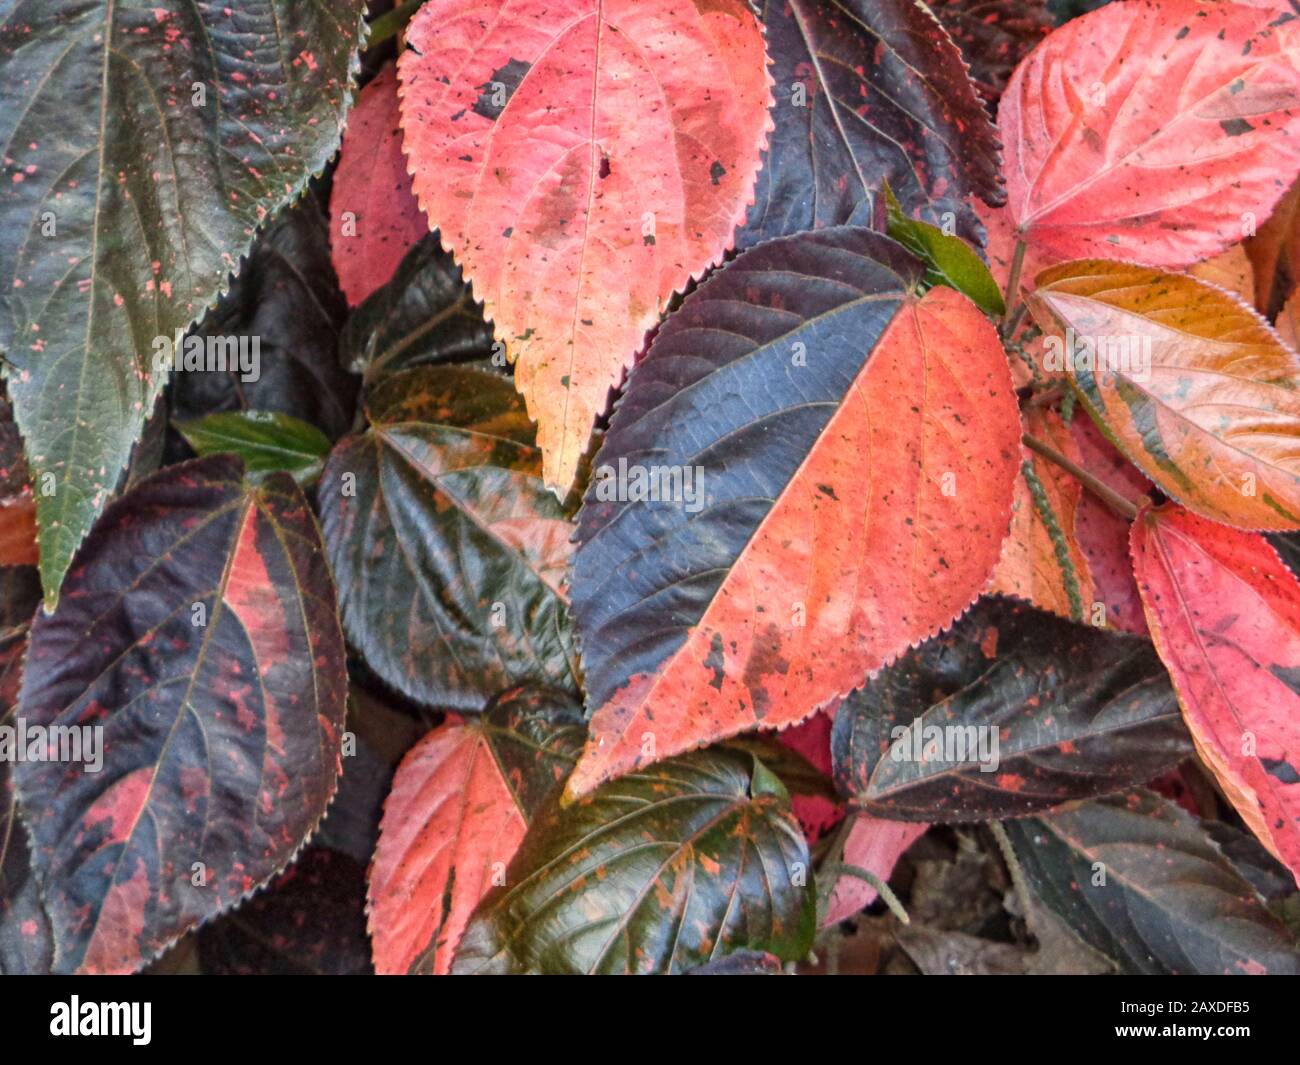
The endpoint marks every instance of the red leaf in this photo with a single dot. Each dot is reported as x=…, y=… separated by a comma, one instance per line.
x=374, y=219
x=1149, y=131
x=457, y=812
x=874, y=845
x=885, y=530
x=1225, y=616
x=583, y=161
x=812, y=739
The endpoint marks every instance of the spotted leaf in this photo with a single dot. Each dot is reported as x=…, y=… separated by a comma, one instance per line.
x=196, y=657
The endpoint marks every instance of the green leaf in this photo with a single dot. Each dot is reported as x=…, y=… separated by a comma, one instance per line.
x=1137, y=879
x=143, y=146
x=449, y=552
x=267, y=441
x=949, y=260
x=659, y=871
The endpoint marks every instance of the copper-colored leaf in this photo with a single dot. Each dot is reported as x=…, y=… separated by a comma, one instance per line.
x=460, y=805
x=1154, y=131
x=1189, y=382
x=853, y=449
x=583, y=161
x=1225, y=616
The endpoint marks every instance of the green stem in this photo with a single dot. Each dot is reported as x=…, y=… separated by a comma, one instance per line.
x=1100, y=489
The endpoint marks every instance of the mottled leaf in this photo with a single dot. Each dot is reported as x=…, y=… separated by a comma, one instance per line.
x=583, y=161
x=1011, y=711
x=425, y=314
x=1225, y=615
x=1150, y=131
x=197, y=630
x=868, y=92
x=851, y=450
x=461, y=802
x=993, y=35
x=267, y=442
x=1138, y=880
x=374, y=219
x=449, y=552
x=143, y=145
x=659, y=871
x=1190, y=383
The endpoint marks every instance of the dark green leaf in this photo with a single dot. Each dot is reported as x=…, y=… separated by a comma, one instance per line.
x=207, y=706
x=287, y=301
x=1136, y=878
x=143, y=146
x=449, y=551
x=661, y=870
x=949, y=260
x=267, y=442
x=425, y=314
x=1011, y=711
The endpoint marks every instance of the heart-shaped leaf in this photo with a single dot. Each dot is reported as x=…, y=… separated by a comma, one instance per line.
x=1011, y=711
x=1137, y=879
x=195, y=670
x=460, y=805
x=868, y=92
x=374, y=219
x=1225, y=615
x=583, y=161
x=113, y=235
x=425, y=314
x=656, y=872
x=1190, y=383
x=1152, y=131
x=449, y=552
x=809, y=457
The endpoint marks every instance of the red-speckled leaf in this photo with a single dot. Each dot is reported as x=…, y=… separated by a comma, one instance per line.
x=198, y=631
x=1151, y=131
x=143, y=145
x=374, y=219
x=449, y=552
x=310, y=921
x=868, y=91
x=1012, y=710
x=461, y=802
x=1225, y=616
x=583, y=161
x=993, y=35
x=657, y=872
x=875, y=845
x=1139, y=880
x=1035, y=566
x=845, y=454
x=1189, y=382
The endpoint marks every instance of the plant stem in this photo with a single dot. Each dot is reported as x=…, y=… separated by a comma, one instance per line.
x=1100, y=489
x=1012, y=298
x=392, y=23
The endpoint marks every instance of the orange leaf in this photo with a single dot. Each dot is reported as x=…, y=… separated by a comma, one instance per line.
x=583, y=161
x=1188, y=382
x=1151, y=131
x=1225, y=616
